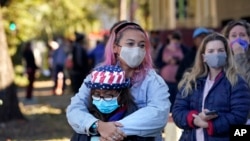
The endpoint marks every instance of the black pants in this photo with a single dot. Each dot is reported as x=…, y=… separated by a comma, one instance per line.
x=31, y=77
x=173, y=89
x=76, y=80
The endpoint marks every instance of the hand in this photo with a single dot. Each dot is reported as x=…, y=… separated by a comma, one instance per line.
x=205, y=117
x=199, y=122
x=237, y=49
x=110, y=131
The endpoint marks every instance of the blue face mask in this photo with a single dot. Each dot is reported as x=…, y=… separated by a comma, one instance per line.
x=106, y=107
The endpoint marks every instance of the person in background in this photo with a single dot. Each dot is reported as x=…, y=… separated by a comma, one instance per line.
x=81, y=62
x=155, y=44
x=175, y=41
x=128, y=47
x=238, y=34
x=168, y=62
x=97, y=54
x=198, y=35
x=110, y=100
x=212, y=96
x=30, y=67
x=59, y=56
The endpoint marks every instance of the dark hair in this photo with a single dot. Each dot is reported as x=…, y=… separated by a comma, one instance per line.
x=116, y=24
x=234, y=23
x=123, y=25
x=176, y=35
x=27, y=45
x=79, y=36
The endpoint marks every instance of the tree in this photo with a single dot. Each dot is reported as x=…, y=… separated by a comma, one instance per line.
x=9, y=108
x=38, y=19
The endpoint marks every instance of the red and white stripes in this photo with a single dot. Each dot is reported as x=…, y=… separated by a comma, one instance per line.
x=108, y=77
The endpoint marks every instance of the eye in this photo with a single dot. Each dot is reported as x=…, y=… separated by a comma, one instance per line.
x=108, y=96
x=243, y=35
x=234, y=36
x=96, y=94
x=210, y=51
x=130, y=44
x=221, y=50
x=142, y=45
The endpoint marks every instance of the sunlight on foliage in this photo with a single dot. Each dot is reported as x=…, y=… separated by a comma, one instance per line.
x=21, y=80
x=19, y=69
x=39, y=109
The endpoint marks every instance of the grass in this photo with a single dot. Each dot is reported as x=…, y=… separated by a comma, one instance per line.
x=46, y=119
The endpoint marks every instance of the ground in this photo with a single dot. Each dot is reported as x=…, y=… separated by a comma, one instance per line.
x=46, y=119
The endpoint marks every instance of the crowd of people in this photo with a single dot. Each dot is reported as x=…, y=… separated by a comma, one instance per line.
x=128, y=86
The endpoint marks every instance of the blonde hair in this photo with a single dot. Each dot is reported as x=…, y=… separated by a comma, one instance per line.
x=226, y=30
x=200, y=68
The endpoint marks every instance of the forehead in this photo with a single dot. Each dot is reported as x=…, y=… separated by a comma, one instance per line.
x=238, y=28
x=133, y=34
x=215, y=44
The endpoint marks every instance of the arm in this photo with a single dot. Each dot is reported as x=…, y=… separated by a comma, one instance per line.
x=182, y=114
x=77, y=113
x=152, y=99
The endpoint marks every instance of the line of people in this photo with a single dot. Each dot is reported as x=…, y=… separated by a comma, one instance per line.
x=125, y=98
x=66, y=59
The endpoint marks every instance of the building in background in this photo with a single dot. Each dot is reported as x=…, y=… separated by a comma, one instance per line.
x=172, y=14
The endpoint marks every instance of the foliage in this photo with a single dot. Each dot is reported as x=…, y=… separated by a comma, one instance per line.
x=46, y=118
x=44, y=19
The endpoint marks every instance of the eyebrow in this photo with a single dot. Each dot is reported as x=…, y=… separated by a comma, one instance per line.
x=134, y=40
x=216, y=49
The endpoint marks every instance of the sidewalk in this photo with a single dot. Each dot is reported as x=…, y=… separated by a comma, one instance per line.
x=171, y=132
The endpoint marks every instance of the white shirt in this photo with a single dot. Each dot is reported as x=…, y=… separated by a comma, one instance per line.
x=208, y=86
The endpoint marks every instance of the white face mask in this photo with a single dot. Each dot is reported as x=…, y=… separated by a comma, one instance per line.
x=133, y=56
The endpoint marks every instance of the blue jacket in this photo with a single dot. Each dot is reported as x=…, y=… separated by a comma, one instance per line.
x=231, y=103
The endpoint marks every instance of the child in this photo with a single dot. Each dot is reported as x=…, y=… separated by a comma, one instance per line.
x=110, y=100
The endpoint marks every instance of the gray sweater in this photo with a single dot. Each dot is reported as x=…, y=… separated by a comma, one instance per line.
x=243, y=66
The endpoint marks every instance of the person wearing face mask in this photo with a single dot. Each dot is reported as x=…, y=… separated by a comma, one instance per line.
x=212, y=96
x=110, y=100
x=238, y=34
x=129, y=48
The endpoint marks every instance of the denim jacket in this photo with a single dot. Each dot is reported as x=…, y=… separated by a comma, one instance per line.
x=151, y=97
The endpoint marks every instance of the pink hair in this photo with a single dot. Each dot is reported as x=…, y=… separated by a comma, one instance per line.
x=110, y=58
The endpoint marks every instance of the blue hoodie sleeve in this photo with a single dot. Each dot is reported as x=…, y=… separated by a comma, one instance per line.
x=152, y=98
x=77, y=113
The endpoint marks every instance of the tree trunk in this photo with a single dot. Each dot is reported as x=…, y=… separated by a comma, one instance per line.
x=9, y=108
